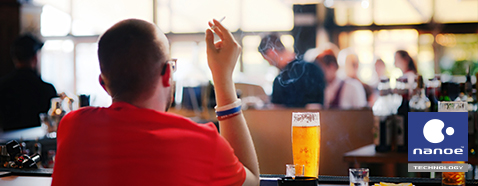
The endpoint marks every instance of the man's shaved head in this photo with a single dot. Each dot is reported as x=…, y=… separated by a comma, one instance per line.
x=132, y=54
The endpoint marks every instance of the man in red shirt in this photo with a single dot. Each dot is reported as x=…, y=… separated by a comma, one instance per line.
x=134, y=141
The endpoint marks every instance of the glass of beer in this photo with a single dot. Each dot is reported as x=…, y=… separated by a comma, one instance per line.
x=306, y=141
x=453, y=178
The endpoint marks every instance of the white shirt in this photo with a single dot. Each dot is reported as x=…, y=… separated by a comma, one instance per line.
x=352, y=95
x=411, y=77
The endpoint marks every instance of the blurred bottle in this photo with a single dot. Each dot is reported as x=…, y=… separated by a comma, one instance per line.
x=66, y=102
x=474, y=108
x=37, y=147
x=401, y=120
x=472, y=115
x=419, y=101
x=431, y=92
x=444, y=96
x=55, y=114
x=50, y=161
x=4, y=156
x=382, y=118
x=84, y=100
x=24, y=148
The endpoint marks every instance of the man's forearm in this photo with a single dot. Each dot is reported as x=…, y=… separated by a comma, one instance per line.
x=222, y=57
x=225, y=90
x=235, y=129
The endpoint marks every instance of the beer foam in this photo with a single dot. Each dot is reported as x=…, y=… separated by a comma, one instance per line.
x=305, y=119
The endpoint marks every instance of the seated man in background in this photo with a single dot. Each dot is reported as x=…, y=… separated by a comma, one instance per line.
x=299, y=83
x=340, y=93
x=135, y=141
x=23, y=94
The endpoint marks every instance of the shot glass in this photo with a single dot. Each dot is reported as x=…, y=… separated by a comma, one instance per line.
x=293, y=170
x=359, y=177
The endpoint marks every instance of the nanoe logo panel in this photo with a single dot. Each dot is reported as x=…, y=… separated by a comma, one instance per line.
x=437, y=136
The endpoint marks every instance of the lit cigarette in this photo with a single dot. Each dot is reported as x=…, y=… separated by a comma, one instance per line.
x=220, y=20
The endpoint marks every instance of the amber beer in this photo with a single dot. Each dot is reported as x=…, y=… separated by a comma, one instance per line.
x=453, y=178
x=306, y=141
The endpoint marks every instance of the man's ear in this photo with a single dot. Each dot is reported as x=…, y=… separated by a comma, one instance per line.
x=102, y=83
x=166, y=78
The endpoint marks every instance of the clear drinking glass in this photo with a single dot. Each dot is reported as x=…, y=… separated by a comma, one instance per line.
x=306, y=141
x=359, y=177
x=293, y=170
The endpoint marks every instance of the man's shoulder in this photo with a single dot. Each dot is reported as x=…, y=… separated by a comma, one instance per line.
x=6, y=79
x=84, y=112
x=46, y=84
x=150, y=118
x=307, y=66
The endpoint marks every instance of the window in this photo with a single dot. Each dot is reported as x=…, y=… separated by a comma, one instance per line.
x=459, y=53
x=55, y=22
x=91, y=17
x=452, y=11
x=57, y=66
x=353, y=13
x=266, y=15
x=187, y=17
x=71, y=63
x=87, y=74
x=402, y=11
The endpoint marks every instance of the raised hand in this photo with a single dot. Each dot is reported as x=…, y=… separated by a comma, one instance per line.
x=222, y=55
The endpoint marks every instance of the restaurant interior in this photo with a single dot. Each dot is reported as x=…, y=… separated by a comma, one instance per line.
x=440, y=35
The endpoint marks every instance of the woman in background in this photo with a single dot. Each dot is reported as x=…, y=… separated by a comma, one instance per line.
x=404, y=62
x=340, y=93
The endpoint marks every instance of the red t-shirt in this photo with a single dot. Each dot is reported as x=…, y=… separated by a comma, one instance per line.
x=126, y=145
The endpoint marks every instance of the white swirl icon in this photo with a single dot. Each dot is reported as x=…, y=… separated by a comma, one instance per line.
x=432, y=131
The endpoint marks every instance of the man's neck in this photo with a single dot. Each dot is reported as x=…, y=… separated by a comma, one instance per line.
x=285, y=59
x=148, y=103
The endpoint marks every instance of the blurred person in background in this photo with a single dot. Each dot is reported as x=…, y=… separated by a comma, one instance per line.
x=340, y=93
x=405, y=62
x=351, y=66
x=381, y=72
x=135, y=141
x=380, y=69
x=23, y=94
x=299, y=84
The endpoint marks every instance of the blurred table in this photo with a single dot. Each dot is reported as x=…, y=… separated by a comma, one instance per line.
x=389, y=160
x=25, y=180
x=42, y=177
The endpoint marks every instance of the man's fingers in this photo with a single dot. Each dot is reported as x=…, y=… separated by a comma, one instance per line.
x=218, y=45
x=227, y=35
x=210, y=40
x=216, y=30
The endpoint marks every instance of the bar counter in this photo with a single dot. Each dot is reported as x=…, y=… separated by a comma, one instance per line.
x=42, y=177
